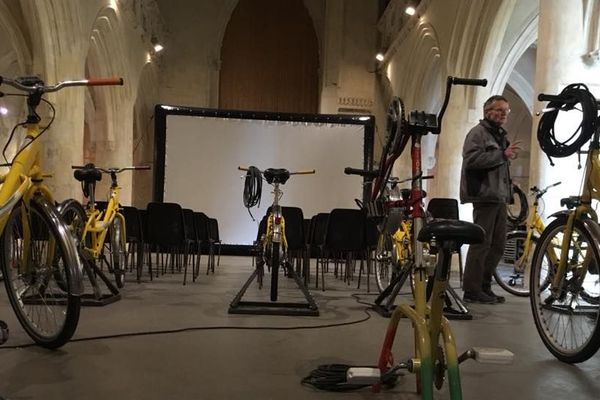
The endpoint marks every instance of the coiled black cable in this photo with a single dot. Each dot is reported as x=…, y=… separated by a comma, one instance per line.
x=252, y=188
x=573, y=94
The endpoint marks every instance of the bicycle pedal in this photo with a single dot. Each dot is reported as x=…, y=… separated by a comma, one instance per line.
x=488, y=355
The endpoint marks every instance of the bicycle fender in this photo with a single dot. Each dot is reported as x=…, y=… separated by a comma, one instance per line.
x=560, y=213
x=72, y=257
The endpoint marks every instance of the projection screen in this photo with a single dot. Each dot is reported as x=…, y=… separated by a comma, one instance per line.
x=197, y=152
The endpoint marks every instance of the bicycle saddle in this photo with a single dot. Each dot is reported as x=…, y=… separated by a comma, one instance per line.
x=570, y=202
x=460, y=232
x=88, y=174
x=278, y=175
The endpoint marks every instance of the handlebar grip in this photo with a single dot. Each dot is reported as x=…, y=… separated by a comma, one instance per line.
x=557, y=183
x=142, y=167
x=105, y=81
x=469, y=81
x=361, y=172
x=242, y=168
x=307, y=172
x=556, y=97
x=77, y=167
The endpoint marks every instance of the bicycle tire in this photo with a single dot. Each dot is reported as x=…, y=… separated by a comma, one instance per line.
x=513, y=271
x=518, y=211
x=117, y=251
x=42, y=295
x=74, y=217
x=275, y=261
x=384, y=261
x=568, y=323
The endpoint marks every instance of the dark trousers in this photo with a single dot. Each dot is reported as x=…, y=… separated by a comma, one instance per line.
x=483, y=258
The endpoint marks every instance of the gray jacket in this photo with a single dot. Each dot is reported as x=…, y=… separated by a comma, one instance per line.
x=485, y=176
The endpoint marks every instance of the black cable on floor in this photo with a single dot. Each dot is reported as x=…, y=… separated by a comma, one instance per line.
x=331, y=377
x=204, y=328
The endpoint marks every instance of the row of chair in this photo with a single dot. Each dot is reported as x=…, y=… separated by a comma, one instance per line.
x=176, y=236
x=342, y=237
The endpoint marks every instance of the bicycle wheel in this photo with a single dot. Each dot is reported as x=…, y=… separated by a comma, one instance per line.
x=275, y=261
x=513, y=271
x=36, y=262
x=73, y=215
x=117, y=251
x=568, y=319
x=385, y=264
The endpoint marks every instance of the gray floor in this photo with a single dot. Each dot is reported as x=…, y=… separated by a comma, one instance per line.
x=251, y=357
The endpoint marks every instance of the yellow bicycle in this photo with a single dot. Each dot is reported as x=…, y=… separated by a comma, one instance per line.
x=565, y=290
x=512, y=273
x=273, y=249
x=93, y=226
x=38, y=257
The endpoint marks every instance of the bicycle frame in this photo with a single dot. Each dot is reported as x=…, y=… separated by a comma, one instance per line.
x=98, y=222
x=275, y=222
x=583, y=212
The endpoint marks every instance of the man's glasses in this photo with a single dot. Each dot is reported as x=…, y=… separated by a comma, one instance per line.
x=500, y=110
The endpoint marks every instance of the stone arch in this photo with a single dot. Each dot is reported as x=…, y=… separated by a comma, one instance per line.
x=107, y=57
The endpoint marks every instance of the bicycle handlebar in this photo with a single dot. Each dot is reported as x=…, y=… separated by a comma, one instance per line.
x=34, y=84
x=557, y=97
x=541, y=192
x=115, y=170
x=468, y=81
x=305, y=172
x=361, y=172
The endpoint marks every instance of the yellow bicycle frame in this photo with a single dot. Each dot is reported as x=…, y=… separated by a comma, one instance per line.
x=24, y=180
x=583, y=212
x=98, y=223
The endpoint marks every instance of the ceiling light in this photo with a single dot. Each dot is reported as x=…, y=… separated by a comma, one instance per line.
x=379, y=57
x=3, y=110
x=410, y=10
x=156, y=46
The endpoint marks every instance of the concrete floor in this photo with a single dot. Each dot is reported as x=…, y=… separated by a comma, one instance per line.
x=222, y=356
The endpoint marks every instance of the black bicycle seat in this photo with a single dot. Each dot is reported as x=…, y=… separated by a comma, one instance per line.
x=570, y=202
x=277, y=175
x=459, y=232
x=89, y=173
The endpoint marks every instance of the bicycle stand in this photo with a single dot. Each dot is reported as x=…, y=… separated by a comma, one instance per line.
x=97, y=298
x=309, y=308
x=384, y=303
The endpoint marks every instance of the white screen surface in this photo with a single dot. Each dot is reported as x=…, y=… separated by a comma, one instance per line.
x=202, y=155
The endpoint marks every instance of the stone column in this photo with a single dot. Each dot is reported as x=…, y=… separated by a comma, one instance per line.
x=561, y=60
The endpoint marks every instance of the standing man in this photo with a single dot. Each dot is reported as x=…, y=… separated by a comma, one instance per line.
x=485, y=182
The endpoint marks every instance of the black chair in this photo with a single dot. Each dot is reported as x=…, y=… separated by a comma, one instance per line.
x=294, y=234
x=345, y=238
x=201, y=221
x=166, y=232
x=134, y=239
x=446, y=209
x=371, y=238
x=145, y=246
x=191, y=243
x=214, y=240
x=318, y=233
